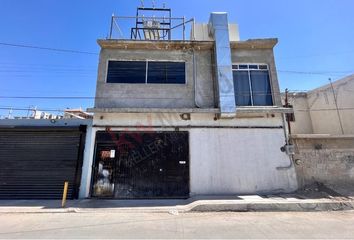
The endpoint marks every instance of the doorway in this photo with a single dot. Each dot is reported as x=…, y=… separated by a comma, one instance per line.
x=141, y=165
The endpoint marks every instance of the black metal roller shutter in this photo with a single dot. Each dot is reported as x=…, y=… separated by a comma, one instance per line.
x=34, y=163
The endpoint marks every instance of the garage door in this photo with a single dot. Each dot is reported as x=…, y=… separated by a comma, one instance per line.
x=34, y=163
x=141, y=165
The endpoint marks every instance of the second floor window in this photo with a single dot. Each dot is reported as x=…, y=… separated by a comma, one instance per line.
x=146, y=72
x=252, y=85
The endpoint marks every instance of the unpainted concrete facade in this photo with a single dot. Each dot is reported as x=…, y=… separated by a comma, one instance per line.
x=199, y=90
x=325, y=159
x=109, y=95
x=227, y=155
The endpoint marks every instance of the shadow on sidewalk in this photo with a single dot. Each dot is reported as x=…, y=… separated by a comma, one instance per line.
x=109, y=203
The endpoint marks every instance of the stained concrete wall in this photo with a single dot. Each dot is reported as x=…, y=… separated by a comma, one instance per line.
x=226, y=156
x=200, y=70
x=316, y=111
x=115, y=95
x=303, y=121
x=172, y=120
x=239, y=161
x=323, y=112
x=224, y=160
x=325, y=159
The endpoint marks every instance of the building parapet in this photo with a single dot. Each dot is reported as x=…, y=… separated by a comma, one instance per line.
x=266, y=109
x=266, y=43
x=321, y=136
x=12, y=123
x=262, y=43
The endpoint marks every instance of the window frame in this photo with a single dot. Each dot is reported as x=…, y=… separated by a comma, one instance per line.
x=236, y=67
x=146, y=70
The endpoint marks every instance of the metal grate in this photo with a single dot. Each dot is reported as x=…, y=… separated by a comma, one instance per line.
x=35, y=163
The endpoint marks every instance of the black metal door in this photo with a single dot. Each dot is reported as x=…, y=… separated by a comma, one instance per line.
x=146, y=165
x=35, y=162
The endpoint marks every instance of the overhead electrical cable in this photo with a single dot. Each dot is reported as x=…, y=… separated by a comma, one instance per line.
x=47, y=48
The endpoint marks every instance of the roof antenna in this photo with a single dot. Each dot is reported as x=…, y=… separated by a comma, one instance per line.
x=142, y=3
x=163, y=5
x=153, y=3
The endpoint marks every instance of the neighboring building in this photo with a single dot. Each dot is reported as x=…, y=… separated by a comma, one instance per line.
x=76, y=114
x=34, y=113
x=322, y=130
x=176, y=118
x=325, y=110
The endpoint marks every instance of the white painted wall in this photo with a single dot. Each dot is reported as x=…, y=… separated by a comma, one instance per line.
x=222, y=160
x=242, y=161
x=87, y=163
x=316, y=111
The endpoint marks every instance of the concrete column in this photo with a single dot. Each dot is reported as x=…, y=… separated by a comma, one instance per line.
x=87, y=163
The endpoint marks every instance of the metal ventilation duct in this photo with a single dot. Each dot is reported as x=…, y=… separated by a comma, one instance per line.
x=218, y=29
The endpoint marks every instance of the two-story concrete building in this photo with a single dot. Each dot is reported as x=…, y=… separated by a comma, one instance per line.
x=177, y=118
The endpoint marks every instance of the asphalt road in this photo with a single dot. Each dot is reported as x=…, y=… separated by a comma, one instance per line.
x=267, y=225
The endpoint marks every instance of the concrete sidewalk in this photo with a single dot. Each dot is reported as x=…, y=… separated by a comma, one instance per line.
x=288, y=202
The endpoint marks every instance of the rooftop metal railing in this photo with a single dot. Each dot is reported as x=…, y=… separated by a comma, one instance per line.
x=150, y=28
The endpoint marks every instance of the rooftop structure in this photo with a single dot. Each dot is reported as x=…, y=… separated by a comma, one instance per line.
x=151, y=24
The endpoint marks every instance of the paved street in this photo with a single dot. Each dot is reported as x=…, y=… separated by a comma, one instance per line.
x=186, y=225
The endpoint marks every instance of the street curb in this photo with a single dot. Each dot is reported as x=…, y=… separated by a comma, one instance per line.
x=203, y=206
x=277, y=207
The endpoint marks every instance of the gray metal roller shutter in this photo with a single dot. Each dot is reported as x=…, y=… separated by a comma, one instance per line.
x=34, y=163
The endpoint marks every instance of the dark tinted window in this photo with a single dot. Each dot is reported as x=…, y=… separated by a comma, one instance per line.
x=166, y=72
x=242, y=88
x=126, y=72
x=252, y=88
x=261, y=92
x=243, y=66
x=253, y=66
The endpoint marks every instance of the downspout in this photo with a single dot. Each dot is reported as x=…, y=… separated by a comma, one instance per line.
x=286, y=135
x=195, y=80
x=215, y=90
x=287, y=105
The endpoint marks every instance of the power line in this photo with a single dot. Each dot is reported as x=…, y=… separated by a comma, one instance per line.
x=47, y=48
x=67, y=69
x=47, y=97
x=63, y=110
x=94, y=53
x=261, y=94
x=315, y=73
x=31, y=109
x=316, y=55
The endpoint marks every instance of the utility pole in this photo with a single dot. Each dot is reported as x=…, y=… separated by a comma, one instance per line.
x=336, y=103
x=287, y=105
x=9, y=116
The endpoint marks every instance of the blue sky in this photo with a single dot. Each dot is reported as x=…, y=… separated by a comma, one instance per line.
x=315, y=42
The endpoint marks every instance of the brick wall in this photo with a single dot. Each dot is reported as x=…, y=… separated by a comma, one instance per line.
x=325, y=159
